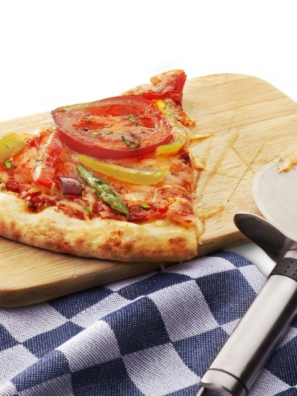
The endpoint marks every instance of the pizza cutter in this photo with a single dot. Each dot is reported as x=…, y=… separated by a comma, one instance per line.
x=242, y=358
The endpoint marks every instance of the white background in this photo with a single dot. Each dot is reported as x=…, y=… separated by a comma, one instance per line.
x=55, y=53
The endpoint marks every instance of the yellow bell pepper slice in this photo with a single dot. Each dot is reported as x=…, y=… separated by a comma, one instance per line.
x=10, y=145
x=162, y=107
x=170, y=149
x=129, y=175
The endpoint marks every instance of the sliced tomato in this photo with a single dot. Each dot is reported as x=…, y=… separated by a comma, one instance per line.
x=45, y=168
x=119, y=127
x=165, y=85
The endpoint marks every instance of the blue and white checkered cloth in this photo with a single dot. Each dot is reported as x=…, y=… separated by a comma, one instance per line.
x=154, y=334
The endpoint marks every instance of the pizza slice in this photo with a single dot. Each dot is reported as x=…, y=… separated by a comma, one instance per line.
x=112, y=179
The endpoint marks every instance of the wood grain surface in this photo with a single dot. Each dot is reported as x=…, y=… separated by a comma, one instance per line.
x=250, y=122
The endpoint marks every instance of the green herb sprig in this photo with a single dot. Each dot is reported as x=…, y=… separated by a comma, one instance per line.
x=133, y=144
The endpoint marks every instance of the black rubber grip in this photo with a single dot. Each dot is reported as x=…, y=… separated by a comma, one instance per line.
x=286, y=267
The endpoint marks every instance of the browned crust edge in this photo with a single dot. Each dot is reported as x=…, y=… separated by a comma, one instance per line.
x=110, y=239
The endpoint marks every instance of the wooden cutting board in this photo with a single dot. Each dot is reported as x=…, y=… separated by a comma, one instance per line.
x=250, y=122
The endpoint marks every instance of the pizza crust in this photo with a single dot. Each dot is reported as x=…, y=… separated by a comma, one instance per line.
x=108, y=239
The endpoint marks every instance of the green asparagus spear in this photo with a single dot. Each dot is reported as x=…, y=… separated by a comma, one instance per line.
x=104, y=191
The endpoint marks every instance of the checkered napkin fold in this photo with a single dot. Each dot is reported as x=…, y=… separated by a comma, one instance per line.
x=152, y=335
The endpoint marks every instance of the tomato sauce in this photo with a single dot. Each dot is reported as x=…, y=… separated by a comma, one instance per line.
x=125, y=130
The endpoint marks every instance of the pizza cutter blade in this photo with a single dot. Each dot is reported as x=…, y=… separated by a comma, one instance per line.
x=275, y=194
x=243, y=357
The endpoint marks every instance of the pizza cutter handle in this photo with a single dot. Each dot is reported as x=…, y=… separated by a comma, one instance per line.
x=238, y=365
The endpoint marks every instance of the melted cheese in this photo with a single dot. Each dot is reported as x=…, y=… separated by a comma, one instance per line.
x=287, y=163
x=169, y=201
